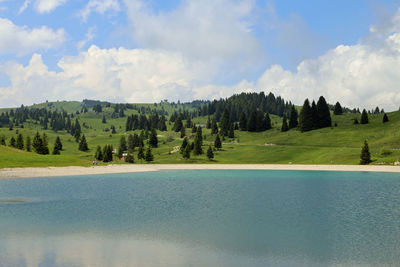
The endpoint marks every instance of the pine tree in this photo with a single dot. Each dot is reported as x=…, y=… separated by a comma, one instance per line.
x=184, y=145
x=12, y=142
x=140, y=153
x=267, y=122
x=178, y=124
x=210, y=154
x=194, y=128
x=324, y=115
x=130, y=158
x=364, y=117
x=214, y=126
x=3, y=140
x=285, y=126
x=198, y=141
x=208, y=125
x=365, y=157
x=149, y=156
x=108, y=153
x=189, y=122
x=56, y=150
x=28, y=144
x=58, y=144
x=315, y=117
x=122, y=143
x=20, y=142
x=83, y=146
x=120, y=152
x=231, y=133
x=252, y=122
x=37, y=143
x=217, y=142
x=183, y=132
x=225, y=122
x=104, y=119
x=186, y=152
x=338, y=110
x=306, y=117
x=243, y=121
x=153, y=140
x=45, y=148
x=99, y=153
x=131, y=143
x=385, y=118
x=293, y=120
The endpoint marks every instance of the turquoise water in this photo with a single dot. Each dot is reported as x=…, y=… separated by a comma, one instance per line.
x=202, y=218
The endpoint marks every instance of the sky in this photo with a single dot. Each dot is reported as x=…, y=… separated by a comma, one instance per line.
x=146, y=51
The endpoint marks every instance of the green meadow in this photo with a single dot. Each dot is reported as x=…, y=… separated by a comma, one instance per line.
x=339, y=144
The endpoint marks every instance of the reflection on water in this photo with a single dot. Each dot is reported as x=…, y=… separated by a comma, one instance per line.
x=202, y=218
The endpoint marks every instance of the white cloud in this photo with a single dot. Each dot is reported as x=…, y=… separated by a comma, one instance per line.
x=99, y=6
x=88, y=38
x=24, y=6
x=21, y=40
x=217, y=29
x=42, y=6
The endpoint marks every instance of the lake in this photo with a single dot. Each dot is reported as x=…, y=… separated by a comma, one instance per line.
x=202, y=218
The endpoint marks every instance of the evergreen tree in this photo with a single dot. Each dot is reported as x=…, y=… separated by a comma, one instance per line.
x=267, y=122
x=122, y=143
x=243, y=121
x=365, y=157
x=99, y=154
x=186, y=152
x=217, y=142
x=130, y=158
x=324, y=115
x=149, y=156
x=45, y=148
x=210, y=154
x=178, y=124
x=189, y=122
x=153, y=141
x=58, y=144
x=104, y=119
x=20, y=142
x=3, y=140
x=120, y=152
x=306, y=117
x=338, y=110
x=385, y=118
x=113, y=131
x=355, y=121
x=225, y=123
x=56, y=150
x=108, y=153
x=315, y=117
x=208, y=125
x=194, y=128
x=83, y=146
x=183, y=132
x=364, y=117
x=285, y=126
x=12, y=142
x=37, y=143
x=293, y=120
x=214, y=126
x=141, y=153
x=184, y=145
x=252, y=122
x=131, y=143
x=231, y=133
x=28, y=144
x=198, y=141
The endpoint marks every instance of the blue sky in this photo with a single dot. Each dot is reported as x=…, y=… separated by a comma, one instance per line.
x=145, y=51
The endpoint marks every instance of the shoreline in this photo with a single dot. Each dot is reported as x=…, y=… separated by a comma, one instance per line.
x=46, y=172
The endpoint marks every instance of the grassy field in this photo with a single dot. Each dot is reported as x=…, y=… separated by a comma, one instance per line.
x=335, y=145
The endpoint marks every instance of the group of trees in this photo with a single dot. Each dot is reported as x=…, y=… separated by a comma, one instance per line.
x=195, y=147
x=141, y=122
x=314, y=116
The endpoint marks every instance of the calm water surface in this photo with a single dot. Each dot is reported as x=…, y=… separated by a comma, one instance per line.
x=202, y=218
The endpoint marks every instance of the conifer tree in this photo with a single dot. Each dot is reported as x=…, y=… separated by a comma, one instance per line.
x=217, y=142
x=338, y=110
x=225, y=122
x=20, y=142
x=186, y=152
x=210, y=154
x=324, y=115
x=178, y=124
x=214, y=126
x=83, y=146
x=108, y=153
x=231, y=133
x=184, y=145
x=285, y=126
x=385, y=118
x=293, y=120
x=208, y=125
x=149, y=156
x=243, y=121
x=198, y=140
x=267, y=122
x=56, y=151
x=364, y=117
x=120, y=152
x=365, y=157
x=37, y=143
x=12, y=142
x=99, y=154
x=153, y=140
x=130, y=158
x=306, y=117
x=3, y=140
x=104, y=119
x=45, y=148
x=131, y=143
x=194, y=128
x=28, y=144
x=252, y=122
x=140, y=153
x=122, y=143
x=183, y=132
x=58, y=144
x=315, y=117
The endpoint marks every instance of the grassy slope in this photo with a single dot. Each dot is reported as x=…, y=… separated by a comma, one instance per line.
x=336, y=145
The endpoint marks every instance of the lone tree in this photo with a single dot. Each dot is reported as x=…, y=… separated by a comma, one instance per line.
x=364, y=117
x=210, y=154
x=58, y=144
x=365, y=154
x=198, y=142
x=153, y=141
x=56, y=151
x=385, y=118
x=338, y=110
x=149, y=156
x=217, y=142
x=83, y=146
x=285, y=127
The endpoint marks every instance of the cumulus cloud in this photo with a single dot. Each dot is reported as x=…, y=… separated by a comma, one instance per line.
x=99, y=6
x=218, y=29
x=21, y=40
x=42, y=6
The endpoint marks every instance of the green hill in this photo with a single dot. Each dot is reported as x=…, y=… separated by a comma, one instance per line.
x=333, y=145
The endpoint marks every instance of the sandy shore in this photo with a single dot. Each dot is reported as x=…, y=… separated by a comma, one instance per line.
x=10, y=173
